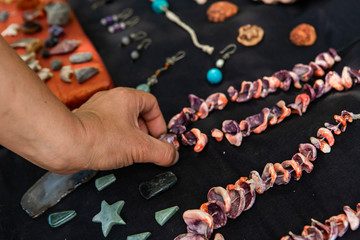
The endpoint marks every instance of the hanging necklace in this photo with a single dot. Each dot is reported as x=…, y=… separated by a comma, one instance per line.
x=236, y=198
x=335, y=226
x=162, y=6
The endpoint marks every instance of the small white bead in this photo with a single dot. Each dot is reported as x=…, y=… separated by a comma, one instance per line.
x=220, y=63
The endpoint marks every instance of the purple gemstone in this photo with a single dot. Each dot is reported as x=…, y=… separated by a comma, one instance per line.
x=56, y=30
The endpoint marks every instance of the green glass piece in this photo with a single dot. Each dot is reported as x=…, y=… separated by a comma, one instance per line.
x=143, y=87
x=139, y=236
x=109, y=216
x=163, y=216
x=103, y=182
x=59, y=218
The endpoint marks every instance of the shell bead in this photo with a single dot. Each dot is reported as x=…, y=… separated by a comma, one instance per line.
x=214, y=76
x=159, y=6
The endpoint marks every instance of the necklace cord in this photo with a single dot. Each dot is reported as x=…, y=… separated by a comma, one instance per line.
x=174, y=18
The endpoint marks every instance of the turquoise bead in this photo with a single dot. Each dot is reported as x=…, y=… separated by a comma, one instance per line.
x=214, y=76
x=143, y=87
x=159, y=6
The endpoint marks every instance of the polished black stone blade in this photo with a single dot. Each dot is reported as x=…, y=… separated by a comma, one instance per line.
x=50, y=189
x=158, y=184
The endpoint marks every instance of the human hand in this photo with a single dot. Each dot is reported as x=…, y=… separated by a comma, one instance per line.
x=115, y=126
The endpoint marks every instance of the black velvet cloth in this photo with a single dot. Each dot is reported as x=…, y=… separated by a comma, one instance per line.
x=321, y=194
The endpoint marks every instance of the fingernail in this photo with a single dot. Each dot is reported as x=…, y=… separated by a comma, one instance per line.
x=176, y=158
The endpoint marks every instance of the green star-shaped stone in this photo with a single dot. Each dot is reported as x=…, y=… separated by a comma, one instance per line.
x=109, y=216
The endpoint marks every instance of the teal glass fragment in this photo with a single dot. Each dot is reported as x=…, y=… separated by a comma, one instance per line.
x=163, y=216
x=59, y=218
x=139, y=236
x=103, y=182
x=109, y=216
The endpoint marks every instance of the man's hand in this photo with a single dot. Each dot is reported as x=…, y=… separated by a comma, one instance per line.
x=116, y=126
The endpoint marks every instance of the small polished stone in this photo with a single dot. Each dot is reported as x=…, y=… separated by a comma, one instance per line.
x=51, y=41
x=45, y=74
x=45, y=53
x=30, y=27
x=220, y=63
x=4, y=16
x=214, y=76
x=56, y=31
x=56, y=64
x=59, y=218
x=50, y=189
x=105, y=181
x=157, y=185
x=84, y=74
x=11, y=30
x=81, y=57
x=159, y=6
x=58, y=13
x=109, y=216
x=33, y=14
x=65, y=74
x=30, y=44
x=143, y=87
x=163, y=216
x=135, y=55
x=125, y=40
x=139, y=236
x=65, y=46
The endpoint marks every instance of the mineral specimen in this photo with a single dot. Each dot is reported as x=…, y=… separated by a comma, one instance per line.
x=163, y=216
x=64, y=47
x=58, y=13
x=66, y=73
x=105, y=181
x=59, y=218
x=30, y=27
x=109, y=216
x=84, y=74
x=50, y=189
x=81, y=57
x=56, y=64
x=158, y=184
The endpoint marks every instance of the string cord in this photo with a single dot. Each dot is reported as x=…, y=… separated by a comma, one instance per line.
x=174, y=18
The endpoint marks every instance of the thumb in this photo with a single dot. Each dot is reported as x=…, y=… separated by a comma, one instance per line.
x=155, y=151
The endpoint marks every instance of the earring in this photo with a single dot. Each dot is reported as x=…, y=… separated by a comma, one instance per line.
x=214, y=75
x=126, y=40
x=153, y=79
x=120, y=26
x=108, y=20
x=135, y=54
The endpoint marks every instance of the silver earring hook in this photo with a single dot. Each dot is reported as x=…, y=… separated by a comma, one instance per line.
x=228, y=50
x=178, y=56
x=126, y=13
x=138, y=35
x=132, y=21
x=144, y=44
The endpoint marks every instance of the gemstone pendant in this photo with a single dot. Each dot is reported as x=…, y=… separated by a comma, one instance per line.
x=143, y=87
x=214, y=76
x=159, y=6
